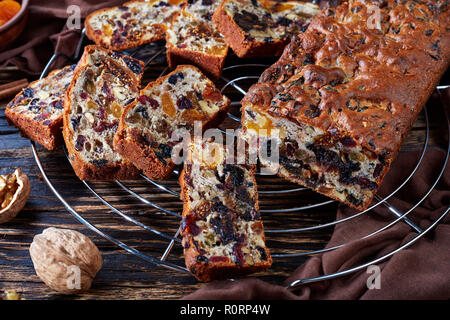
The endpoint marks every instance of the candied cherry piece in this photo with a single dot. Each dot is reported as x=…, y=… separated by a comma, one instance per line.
x=189, y=225
x=145, y=99
x=218, y=259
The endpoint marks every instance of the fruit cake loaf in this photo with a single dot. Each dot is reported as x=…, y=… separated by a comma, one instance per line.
x=344, y=95
x=38, y=109
x=262, y=27
x=167, y=106
x=222, y=230
x=132, y=24
x=103, y=84
x=193, y=39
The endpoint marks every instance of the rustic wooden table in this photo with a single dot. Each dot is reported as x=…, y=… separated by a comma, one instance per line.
x=125, y=276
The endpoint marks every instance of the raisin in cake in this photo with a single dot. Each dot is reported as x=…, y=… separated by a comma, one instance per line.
x=192, y=38
x=222, y=230
x=103, y=84
x=132, y=24
x=344, y=94
x=38, y=109
x=169, y=105
x=261, y=27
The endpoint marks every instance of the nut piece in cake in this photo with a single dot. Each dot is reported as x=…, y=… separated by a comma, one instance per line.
x=169, y=106
x=262, y=28
x=132, y=24
x=103, y=84
x=193, y=39
x=222, y=230
x=38, y=110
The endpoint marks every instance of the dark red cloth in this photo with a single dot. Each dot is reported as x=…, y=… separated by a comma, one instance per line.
x=421, y=271
x=46, y=32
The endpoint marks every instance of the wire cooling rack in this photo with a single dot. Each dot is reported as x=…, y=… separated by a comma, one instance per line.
x=234, y=83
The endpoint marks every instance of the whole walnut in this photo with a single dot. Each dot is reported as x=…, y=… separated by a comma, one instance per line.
x=65, y=260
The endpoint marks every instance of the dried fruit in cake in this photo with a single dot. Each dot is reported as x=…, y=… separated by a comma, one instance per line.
x=132, y=24
x=262, y=27
x=192, y=38
x=344, y=94
x=38, y=109
x=103, y=84
x=222, y=230
x=166, y=108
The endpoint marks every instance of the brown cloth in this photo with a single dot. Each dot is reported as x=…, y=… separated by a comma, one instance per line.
x=421, y=271
x=46, y=32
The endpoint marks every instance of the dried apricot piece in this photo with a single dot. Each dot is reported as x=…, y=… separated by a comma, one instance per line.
x=8, y=9
x=107, y=30
x=167, y=105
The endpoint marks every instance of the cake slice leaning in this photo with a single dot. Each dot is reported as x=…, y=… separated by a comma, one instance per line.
x=168, y=107
x=262, y=28
x=193, y=39
x=38, y=109
x=222, y=231
x=103, y=84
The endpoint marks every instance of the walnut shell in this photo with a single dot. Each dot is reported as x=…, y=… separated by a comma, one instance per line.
x=19, y=199
x=65, y=260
